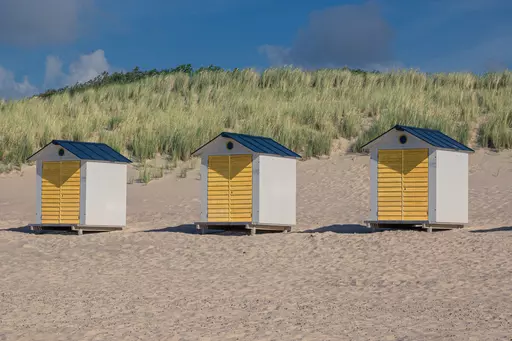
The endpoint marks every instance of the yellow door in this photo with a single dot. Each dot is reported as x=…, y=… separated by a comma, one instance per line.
x=218, y=188
x=60, y=192
x=230, y=188
x=403, y=185
x=415, y=184
x=240, y=185
x=389, y=190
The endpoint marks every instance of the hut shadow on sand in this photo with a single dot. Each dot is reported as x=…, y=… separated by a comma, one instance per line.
x=496, y=229
x=361, y=229
x=60, y=230
x=217, y=230
x=344, y=228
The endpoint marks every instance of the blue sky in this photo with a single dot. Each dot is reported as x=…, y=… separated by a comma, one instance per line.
x=52, y=43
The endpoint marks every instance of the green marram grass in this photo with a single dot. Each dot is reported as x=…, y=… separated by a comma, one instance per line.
x=173, y=114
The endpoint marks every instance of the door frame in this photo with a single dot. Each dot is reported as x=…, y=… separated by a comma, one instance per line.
x=229, y=179
x=402, y=179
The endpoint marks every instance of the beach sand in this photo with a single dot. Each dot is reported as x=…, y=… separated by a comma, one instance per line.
x=327, y=280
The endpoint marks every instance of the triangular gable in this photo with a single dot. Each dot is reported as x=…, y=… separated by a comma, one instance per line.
x=431, y=136
x=45, y=153
x=84, y=151
x=257, y=144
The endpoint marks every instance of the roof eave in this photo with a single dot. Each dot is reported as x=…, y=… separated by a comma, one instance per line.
x=398, y=127
x=33, y=157
x=370, y=143
x=199, y=150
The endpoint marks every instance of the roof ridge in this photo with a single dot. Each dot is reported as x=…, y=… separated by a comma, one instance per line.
x=255, y=143
x=413, y=127
x=248, y=135
x=86, y=142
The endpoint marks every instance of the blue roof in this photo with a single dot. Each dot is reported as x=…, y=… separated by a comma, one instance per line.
x=431, y=136
x=90, y=151
x=257, y=144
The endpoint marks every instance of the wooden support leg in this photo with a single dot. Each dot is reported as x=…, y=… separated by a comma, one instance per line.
x=252, y=228
x=36, y=229
x=199, y=229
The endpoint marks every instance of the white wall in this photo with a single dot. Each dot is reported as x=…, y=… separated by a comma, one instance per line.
x=277, y=190
x=256, y=187
x=204, y=187
x=83, y=191
x=432, y=181
x=452, y=187
x=374, y=157
x=39, y=185
x=105, y=186
x=51, y=153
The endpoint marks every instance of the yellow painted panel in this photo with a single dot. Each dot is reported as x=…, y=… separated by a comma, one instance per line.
x=389, y=185
x=240, y=199
x=402, y=178
x=70, y=190
x=415, y=183
x=230, y=188
x=218, y=188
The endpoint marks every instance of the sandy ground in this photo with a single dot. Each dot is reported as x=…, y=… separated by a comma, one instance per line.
x=329, y=280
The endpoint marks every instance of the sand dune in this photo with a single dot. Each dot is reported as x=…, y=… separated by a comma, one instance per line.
x=328, y=280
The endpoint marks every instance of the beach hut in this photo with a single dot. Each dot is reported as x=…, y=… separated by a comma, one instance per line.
x=418, y=177
x=81, y=186
x=247, y=181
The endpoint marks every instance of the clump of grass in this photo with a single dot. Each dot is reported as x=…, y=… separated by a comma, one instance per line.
x=187, y=166
x=173, y=114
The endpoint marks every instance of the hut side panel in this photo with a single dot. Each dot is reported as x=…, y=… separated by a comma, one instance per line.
x=277, y=190
x=204, y=187
x=452, y=187
x=39, y=179
x=106, y=194
x=374, y=152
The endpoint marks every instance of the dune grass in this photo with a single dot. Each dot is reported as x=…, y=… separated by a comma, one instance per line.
x=174, y=114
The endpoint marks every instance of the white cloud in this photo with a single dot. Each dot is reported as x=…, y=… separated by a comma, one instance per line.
x=85, y=68
x=34, y=22
x=11, y=89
